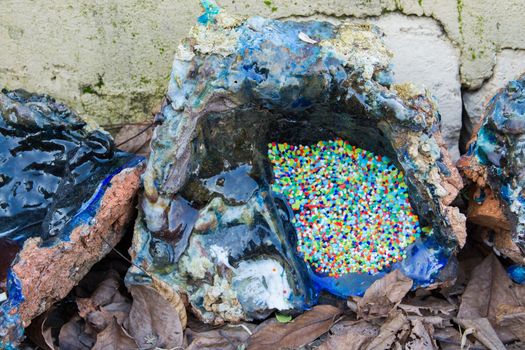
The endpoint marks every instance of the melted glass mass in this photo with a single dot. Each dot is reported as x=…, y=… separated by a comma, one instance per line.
x=54, y=171
x=51, y=165
x=213, y=227
x=335, y=215
x=499, y=148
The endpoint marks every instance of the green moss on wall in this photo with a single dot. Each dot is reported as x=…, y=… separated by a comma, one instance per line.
x=459, y=6
x=270, y=5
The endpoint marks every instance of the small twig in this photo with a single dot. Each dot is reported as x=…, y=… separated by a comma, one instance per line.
x=120, y=125
x=242, y=326
x=464, y=335
x=125, y=258
x=136, y=135
x=339, y=319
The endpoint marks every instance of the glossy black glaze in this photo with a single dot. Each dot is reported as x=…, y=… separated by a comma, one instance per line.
x=51, y=163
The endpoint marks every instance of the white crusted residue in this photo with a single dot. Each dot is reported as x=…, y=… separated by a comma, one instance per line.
x=360, y=46
x=306, y=38
x=226, y=20
x=154, y=213
x=264, y=282
x=211, y=40
x=184, y=53
x=221, y=255
x=195, y=265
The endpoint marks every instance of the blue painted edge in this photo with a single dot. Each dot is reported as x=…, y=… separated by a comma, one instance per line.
x=9, y=318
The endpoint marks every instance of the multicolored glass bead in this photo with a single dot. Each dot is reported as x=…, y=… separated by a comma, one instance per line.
x=351, y=207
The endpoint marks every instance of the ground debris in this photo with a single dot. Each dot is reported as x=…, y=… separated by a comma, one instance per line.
x=107, y=317
x=101, y=314
x=383, y=295
x=304, y=329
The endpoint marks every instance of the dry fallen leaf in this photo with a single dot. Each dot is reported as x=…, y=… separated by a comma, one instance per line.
x=449, y=338
x=119, y=311
x=483, y=332
x=395, y=330
x=105, y=303
x=488, y=289
x=73, y=336
x=301, y=331
x=114, y=337
x=350, y=335
x=431, y=305
x=231, y=337
x=421, y=336
x=40, y=330
x=105, y=293
x=152, y=320
x=44, y=339
x=512, y=317
x=383, y=295
x=135, y=138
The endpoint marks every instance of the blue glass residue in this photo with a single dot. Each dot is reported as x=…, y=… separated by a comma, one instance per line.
x=517, y=273
x=499, y=148
x=471, y=148
x=210, y=11
x=88, y=211
x=9, y=318
x=506, y=193
x=480, y=198
x=52, y=164
x=487, y=147
x=423, y=264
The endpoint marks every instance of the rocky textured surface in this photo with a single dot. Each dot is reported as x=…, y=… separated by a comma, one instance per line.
x=494, y=166
x=66, y=194
x=510, y=64
x=210, y=227
x=425, y=56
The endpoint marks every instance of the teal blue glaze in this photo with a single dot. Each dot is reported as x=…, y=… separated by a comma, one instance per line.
x=499, y=147
x=210, y=11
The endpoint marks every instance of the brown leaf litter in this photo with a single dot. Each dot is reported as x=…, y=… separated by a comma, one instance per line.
x=301, y=331
x=488, y=315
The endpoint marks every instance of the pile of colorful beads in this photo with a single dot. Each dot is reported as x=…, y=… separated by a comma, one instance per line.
x=351, y=207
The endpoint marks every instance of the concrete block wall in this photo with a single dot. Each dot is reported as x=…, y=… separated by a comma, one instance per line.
x=110, y=59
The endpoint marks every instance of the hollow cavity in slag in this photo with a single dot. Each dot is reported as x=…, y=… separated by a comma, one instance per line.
x=351, y=208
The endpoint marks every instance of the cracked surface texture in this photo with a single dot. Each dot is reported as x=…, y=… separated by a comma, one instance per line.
x=111, y=59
